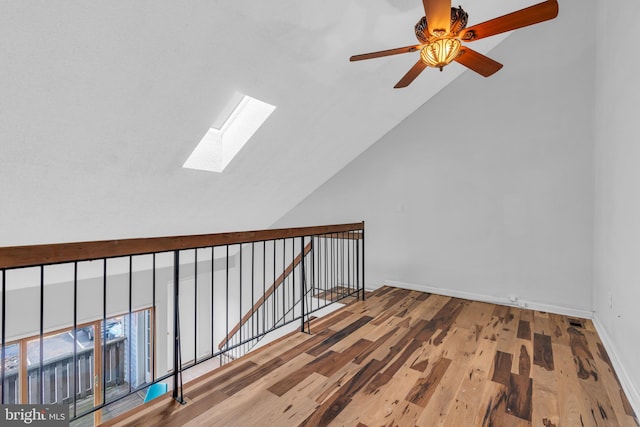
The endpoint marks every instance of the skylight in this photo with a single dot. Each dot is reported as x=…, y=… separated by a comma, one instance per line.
x=219, y=146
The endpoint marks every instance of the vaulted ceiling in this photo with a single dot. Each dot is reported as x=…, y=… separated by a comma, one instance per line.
x=102, y=102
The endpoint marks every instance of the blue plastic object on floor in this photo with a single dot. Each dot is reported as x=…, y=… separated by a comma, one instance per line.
x=155, y=390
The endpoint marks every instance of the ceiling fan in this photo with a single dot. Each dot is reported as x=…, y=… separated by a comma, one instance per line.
x=443, y=28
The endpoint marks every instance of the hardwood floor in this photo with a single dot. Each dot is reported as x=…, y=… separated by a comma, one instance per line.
x=409, y=358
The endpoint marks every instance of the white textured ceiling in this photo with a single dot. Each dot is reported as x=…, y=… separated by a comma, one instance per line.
x=101, y=102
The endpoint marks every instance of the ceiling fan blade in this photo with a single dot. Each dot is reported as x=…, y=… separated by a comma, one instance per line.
x=388, y=52
x=438, y=14
x=477, y=62
x=524, y=17
x=411, y=74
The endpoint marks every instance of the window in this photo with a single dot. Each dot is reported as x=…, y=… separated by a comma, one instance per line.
x=11, y=373
x=123, y=342
x=219, y=146
x=54, y=382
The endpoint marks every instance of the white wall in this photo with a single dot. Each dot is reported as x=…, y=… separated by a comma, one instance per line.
x=488, y=187
x=617, y=180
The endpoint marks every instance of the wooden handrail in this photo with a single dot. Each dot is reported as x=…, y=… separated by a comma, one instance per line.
x=266, y=295
x=342, y=235
x=27, y=256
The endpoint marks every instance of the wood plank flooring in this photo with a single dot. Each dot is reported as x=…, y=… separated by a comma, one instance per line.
x=408, y=358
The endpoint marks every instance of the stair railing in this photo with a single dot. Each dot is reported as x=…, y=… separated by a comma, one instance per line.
x=194, y=290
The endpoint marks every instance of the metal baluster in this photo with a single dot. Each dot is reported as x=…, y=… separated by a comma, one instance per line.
x=4, y=332
x=274, y=285
x=342, y=265
x=176, y=324
x=227, y=299
x=75, y=323
x=240, y=299
x=302, y=285
x=253, y=330
x=313, y=270
x=104, y=330
x=334, y=268
x=283, y=286
x=363, y=260
x=152, y=335
x=130, y=320
x=213, y=273
x=264, y=285
x=195, y=307
x=326, y=267
x=292, y=299
x=349, y=269
x=40, y=370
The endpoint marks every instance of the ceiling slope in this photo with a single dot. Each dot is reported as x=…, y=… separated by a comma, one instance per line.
x=102, y=102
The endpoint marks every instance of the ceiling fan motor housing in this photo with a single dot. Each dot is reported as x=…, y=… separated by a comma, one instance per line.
x=459, y=19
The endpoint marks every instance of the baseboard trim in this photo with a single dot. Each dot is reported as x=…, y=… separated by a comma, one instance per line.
x=531, y=305
x=629, y=388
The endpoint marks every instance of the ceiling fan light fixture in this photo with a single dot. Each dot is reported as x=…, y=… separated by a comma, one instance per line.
x=442, y=29
x=440, y=52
